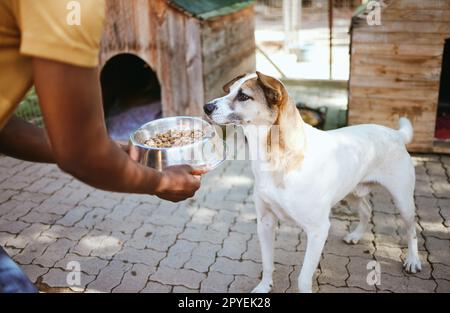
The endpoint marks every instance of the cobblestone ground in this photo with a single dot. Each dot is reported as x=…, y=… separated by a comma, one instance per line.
x=132, y=243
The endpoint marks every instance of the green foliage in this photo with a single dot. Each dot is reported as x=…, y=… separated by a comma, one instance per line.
x=29, y=109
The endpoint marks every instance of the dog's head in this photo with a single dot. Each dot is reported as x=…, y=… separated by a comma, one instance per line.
x=254, y=99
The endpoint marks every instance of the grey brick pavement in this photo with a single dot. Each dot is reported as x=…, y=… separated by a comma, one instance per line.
x=134, y=243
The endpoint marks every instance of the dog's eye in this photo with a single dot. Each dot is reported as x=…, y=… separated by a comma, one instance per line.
x=243, y=97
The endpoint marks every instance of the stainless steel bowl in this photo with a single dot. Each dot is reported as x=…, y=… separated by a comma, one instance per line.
x=203, y=155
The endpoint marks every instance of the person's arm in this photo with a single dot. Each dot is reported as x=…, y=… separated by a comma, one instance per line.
x=71, y=104
x=25, y=141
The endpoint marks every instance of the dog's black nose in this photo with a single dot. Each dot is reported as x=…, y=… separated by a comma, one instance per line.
x=209, y=108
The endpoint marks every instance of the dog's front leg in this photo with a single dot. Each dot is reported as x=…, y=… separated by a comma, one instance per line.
x=266, y=234
x=315, y=243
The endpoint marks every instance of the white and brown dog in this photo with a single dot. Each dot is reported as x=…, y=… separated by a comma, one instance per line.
x=350, y=160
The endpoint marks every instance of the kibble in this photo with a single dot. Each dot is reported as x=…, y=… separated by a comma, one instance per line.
x=175, y=138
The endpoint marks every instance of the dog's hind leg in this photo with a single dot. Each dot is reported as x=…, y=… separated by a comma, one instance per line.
x=266, y=221
x=401, y=187
x=364, y=211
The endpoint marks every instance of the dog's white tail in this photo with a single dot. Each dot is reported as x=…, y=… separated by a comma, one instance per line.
x=406, y=130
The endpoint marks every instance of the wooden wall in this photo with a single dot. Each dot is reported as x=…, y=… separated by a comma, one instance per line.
x=228, y=50
x=396, y=67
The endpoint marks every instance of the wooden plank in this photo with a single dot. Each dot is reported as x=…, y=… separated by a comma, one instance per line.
x=416, y=15
x=361, y=36
x=416, y=106
x=393, y=93
x=436, y=50
x=194, y=67
x=440, y=146
x=420, y=4
x=410, y=27
x=400, y=73
x=397, y=60
x=228, y=50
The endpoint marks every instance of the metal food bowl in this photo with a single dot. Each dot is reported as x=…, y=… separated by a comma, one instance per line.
x=203, y=155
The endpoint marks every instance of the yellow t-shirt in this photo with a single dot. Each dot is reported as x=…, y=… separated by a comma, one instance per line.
x=60, y=30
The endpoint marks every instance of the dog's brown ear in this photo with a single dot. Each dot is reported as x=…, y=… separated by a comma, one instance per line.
x=273, y=89
x=228, y=85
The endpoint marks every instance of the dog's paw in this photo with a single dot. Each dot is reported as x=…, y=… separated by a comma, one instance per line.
x=352, y=238
x=412, y=265
x=262, y=288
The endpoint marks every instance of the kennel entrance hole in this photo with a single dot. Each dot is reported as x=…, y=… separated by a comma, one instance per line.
x=131, y=95
x=443, y=113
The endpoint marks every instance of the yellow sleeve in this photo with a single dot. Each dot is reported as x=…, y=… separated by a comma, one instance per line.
x=62, y=30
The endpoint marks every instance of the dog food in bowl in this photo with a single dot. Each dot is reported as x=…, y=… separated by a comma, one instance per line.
x=175, y=138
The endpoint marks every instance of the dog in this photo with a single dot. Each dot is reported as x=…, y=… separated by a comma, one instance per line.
x=308, y=171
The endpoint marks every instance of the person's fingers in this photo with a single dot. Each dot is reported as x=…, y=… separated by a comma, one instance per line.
x=133, y=152
x=199, y=172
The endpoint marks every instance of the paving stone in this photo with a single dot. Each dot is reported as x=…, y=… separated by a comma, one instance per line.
x=439, y=250
x=198, y=235
x=288, y=257
x=281, y=281
x=216, y=282
x=234, y=245
x=443, y=286
x=33, y=271
x=154, y=287
x=333, y=270
x=93, y=240
x=59, y=231
x=182, y=289
x=357, y=268
x=203, y=216
x=28, y=235
x=146, y=256
x=88, y=265
x=74, y=216
x=135, y=279
x=33, y=250
x=184, y=277
x=244, y=227
x=332, y=289
x=203, y=256
x=441, y=271
x=109, y=277
x=44, y=218
x=110, y=225
x=25, y=196
x=121, y=211
x=243, y=284
x=107, y=248
x=179, y=254
x=57, y=278
x=232, y=267
x=13, y=210
x=13, y=228
x=92, y=218
x=53, y=208
x=55, y=252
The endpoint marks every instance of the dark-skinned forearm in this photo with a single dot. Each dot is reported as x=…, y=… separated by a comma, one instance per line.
x=25, y=141
x=110, y=168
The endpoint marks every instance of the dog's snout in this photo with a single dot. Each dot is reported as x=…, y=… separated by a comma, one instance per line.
x=209, y=108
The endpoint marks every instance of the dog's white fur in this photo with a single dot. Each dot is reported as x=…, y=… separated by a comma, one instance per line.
x=333, y=165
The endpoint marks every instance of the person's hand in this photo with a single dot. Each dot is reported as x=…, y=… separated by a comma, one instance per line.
x=178, y=183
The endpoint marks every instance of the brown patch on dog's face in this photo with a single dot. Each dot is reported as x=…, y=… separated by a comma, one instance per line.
x=228, y=85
